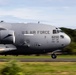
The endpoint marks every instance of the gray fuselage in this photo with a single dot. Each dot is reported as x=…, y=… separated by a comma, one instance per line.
x=35, y=38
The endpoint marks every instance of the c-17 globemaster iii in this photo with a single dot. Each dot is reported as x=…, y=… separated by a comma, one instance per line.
x=31, y=38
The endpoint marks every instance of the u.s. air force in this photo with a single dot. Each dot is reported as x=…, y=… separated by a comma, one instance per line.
x=36, y=32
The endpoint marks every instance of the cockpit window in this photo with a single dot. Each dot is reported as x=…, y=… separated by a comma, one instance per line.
x=61, y=36
x=57, y=31
x=61, y=31
x=54, y=32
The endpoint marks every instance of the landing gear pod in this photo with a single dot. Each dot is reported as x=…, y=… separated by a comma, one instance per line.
x=7, y=37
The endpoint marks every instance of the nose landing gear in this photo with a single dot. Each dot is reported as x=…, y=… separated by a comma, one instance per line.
x=54, y=56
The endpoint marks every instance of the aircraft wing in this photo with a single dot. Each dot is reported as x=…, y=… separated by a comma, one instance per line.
x=7, y=47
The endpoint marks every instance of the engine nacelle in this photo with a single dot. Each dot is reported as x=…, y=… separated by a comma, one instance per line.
x=7, y=37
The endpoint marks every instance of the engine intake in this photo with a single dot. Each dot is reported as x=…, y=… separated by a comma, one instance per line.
x=7, y=37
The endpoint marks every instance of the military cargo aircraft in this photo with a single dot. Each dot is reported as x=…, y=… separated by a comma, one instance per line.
x=31, y=38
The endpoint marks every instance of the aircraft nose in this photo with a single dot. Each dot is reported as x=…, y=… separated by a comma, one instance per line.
x=68, y=39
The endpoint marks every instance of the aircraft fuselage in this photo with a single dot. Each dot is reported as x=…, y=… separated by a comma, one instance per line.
x=32, y=38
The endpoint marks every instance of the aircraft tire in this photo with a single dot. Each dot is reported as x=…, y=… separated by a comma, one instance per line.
x=53, y=56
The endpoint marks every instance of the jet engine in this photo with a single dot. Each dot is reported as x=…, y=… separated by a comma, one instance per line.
x=7, y=37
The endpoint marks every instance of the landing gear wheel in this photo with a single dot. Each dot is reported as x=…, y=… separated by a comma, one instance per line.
x=53, y=56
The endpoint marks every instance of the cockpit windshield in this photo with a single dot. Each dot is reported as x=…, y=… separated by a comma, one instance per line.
x=60, y=31
x=57, y=31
